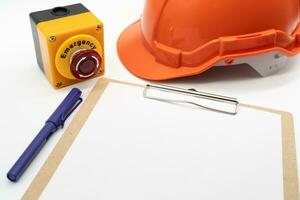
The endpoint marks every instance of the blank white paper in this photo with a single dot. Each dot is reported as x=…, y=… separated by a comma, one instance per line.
x=133, y=148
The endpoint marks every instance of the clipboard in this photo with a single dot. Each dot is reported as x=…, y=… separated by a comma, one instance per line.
x=40, y=182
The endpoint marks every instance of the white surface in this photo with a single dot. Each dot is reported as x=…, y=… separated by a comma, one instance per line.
x=27, y=99
x=157, y=154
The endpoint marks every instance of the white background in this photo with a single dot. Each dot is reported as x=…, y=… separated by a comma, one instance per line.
x=27, y=99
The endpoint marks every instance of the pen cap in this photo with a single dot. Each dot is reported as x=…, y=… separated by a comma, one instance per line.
x=68, y=105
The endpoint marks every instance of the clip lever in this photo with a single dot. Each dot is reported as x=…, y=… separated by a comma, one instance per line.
x=213, y=102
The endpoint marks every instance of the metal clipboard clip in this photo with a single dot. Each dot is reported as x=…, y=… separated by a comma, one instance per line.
x=213, y=102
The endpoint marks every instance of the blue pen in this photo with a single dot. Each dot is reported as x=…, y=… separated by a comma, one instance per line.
x=56, y=121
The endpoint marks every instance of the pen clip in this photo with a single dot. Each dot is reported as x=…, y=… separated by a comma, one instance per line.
x=72, y=109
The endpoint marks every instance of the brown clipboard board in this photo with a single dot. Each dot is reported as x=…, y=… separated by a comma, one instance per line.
x=39, y=183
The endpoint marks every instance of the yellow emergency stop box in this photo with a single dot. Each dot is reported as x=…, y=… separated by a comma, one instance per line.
x=69, y=44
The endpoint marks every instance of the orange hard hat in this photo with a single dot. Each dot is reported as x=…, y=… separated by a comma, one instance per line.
x=177, y=38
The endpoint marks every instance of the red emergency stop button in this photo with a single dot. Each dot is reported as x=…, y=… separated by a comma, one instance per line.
x=85, y=64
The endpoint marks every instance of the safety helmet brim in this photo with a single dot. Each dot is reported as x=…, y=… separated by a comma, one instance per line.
x=140, y=62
